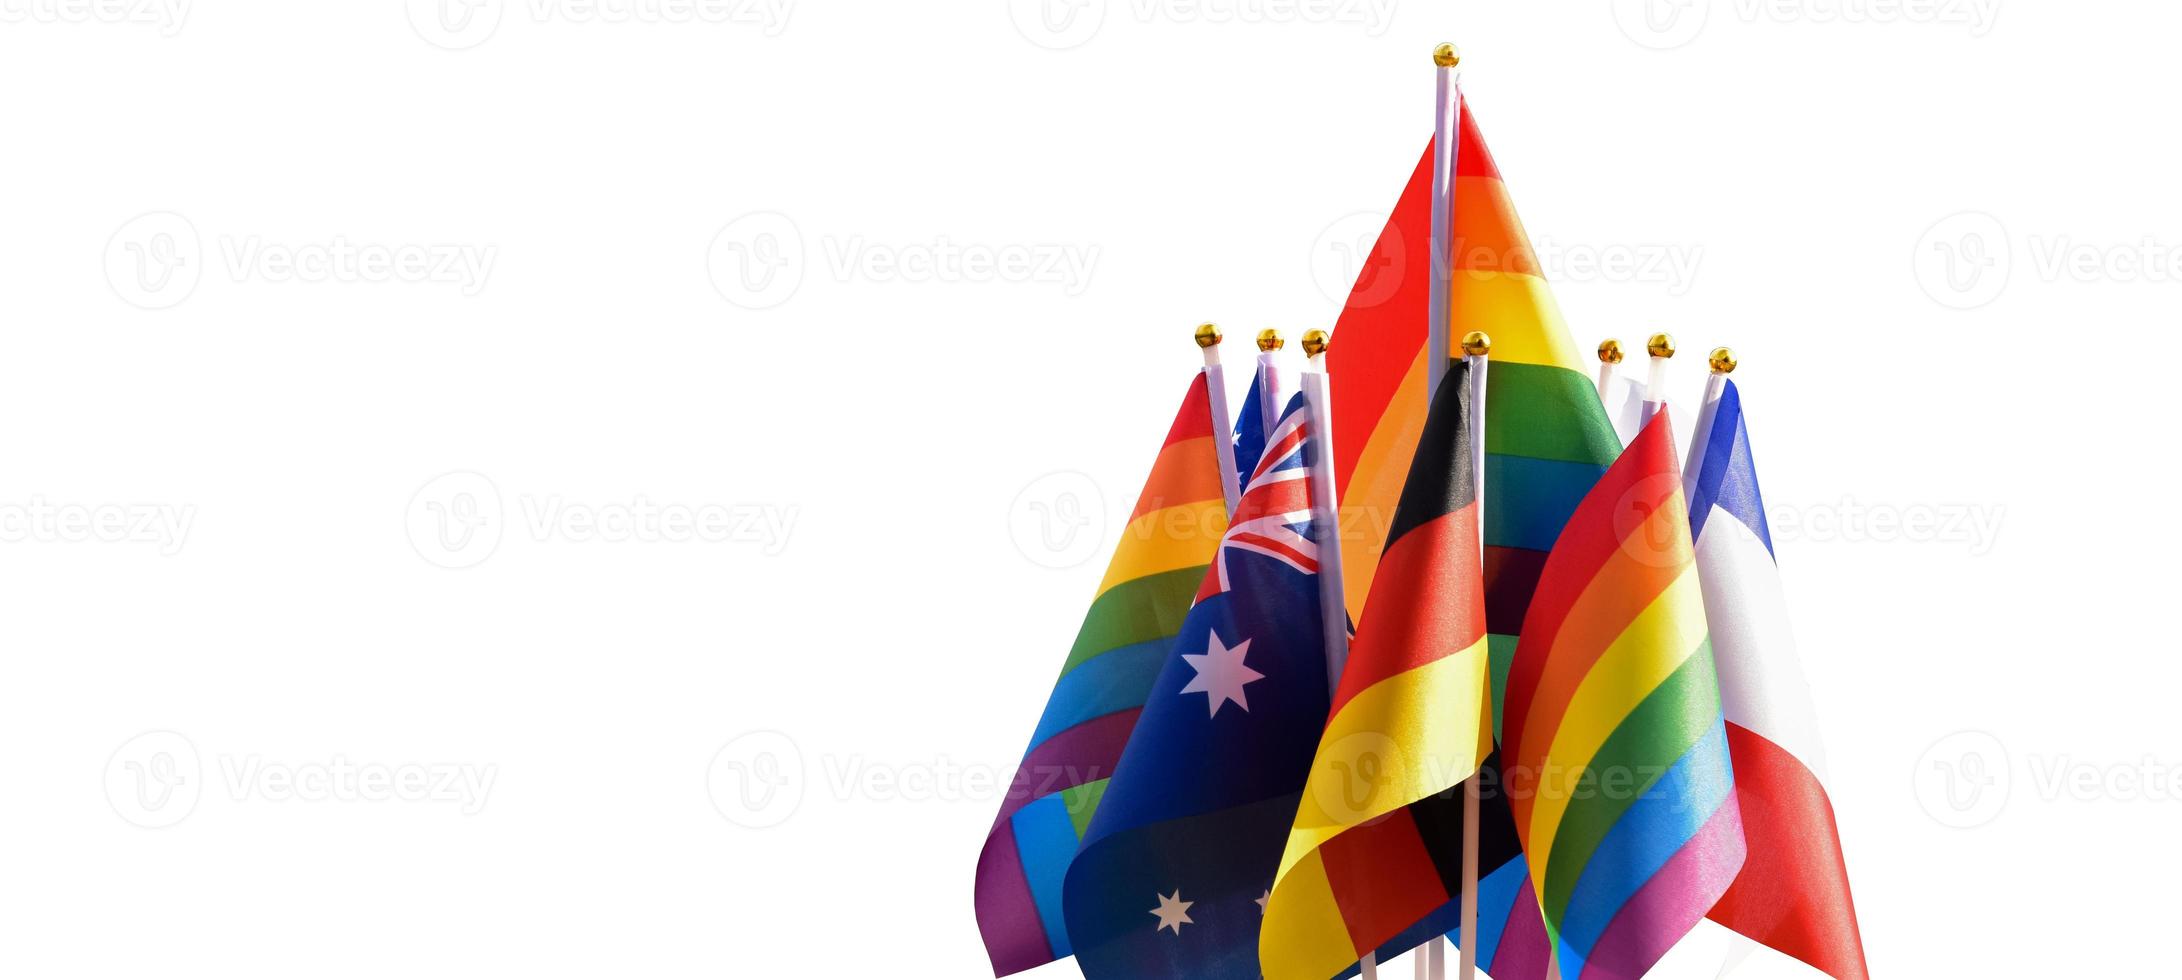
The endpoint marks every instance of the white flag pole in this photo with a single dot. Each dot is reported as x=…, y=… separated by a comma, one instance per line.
x=1333, y=610
x=1326, y=510
x=1661, y=348
x=1268, y=380
x=1446, y=150
x=1208, y=340
x=1609, y=366
x=1446, y=132
x=1722, y=363
x=1476, y=349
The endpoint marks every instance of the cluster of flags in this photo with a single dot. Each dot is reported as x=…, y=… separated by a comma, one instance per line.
x=1228, y=781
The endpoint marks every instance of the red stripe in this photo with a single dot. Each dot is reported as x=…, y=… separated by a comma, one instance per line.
x=1472, y=158
x=1793, y=893
x=1267, y=499
x=1591, y=536
x=1281, y=547
x=1383, y=324
x=1194, y=421
x=1438, y=608
x=1382, y=879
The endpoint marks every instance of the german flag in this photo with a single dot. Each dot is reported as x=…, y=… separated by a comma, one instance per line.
x=1376, y=842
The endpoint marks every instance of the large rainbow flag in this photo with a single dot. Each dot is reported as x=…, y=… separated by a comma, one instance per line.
x=1119, y=651
x=1547, y=441
x=1622, y=787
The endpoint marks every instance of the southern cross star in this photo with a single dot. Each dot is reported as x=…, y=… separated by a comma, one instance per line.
x=1173, y=912
x=1221, y=675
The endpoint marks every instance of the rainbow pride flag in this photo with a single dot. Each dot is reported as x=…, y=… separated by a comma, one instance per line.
x=1616, y=749
x=1119, y=651
x=1547, y=441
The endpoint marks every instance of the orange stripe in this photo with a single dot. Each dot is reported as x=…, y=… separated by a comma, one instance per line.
x=1186, y=472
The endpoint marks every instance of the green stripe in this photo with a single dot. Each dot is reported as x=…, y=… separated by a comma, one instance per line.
x=1082, y=800
x=1546, y=412
x=1677, y=713
x=1501, y=648
x=1135, y=611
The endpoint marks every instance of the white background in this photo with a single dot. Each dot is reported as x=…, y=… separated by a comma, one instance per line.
x=855, y=446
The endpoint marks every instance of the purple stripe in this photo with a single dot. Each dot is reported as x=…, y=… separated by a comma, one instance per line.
x=1083, y=754
x=1672, y=902
x=1523, y=951
x=1014, y=937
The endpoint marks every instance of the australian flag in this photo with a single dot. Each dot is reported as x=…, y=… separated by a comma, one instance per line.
x=1174, y=869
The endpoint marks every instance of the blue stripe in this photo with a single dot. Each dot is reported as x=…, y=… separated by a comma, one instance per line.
x=1249, y=433
x=1116, y=680
x=1527, y=500
x=1649, y=833
x=1046, y=840
x=1727, y=477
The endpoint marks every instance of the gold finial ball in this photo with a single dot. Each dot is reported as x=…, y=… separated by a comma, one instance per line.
x=1208, y=335
x=1446, y=55
x=1476, y=343
x=1661, y=345
x=1314, y=343
x=1269, y=340
x=1610, y=351
x=1723, y=360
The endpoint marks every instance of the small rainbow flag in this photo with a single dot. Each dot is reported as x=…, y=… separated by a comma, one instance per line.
x=1119, y=651
x=1616, y=750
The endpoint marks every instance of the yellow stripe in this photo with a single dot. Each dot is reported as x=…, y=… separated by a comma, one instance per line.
x=1303, y=936
x=1518, y=311
x=1660, y=639
x=1167, y=539
x=1373, y=491
x=1398, y=741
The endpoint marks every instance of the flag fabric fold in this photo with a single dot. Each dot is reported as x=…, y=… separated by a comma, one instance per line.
x=1793, y=892
x=1622, y=787
x=1162, y=557
x=1173, y=871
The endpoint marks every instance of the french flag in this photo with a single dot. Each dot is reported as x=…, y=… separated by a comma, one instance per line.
x=1793, y=892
